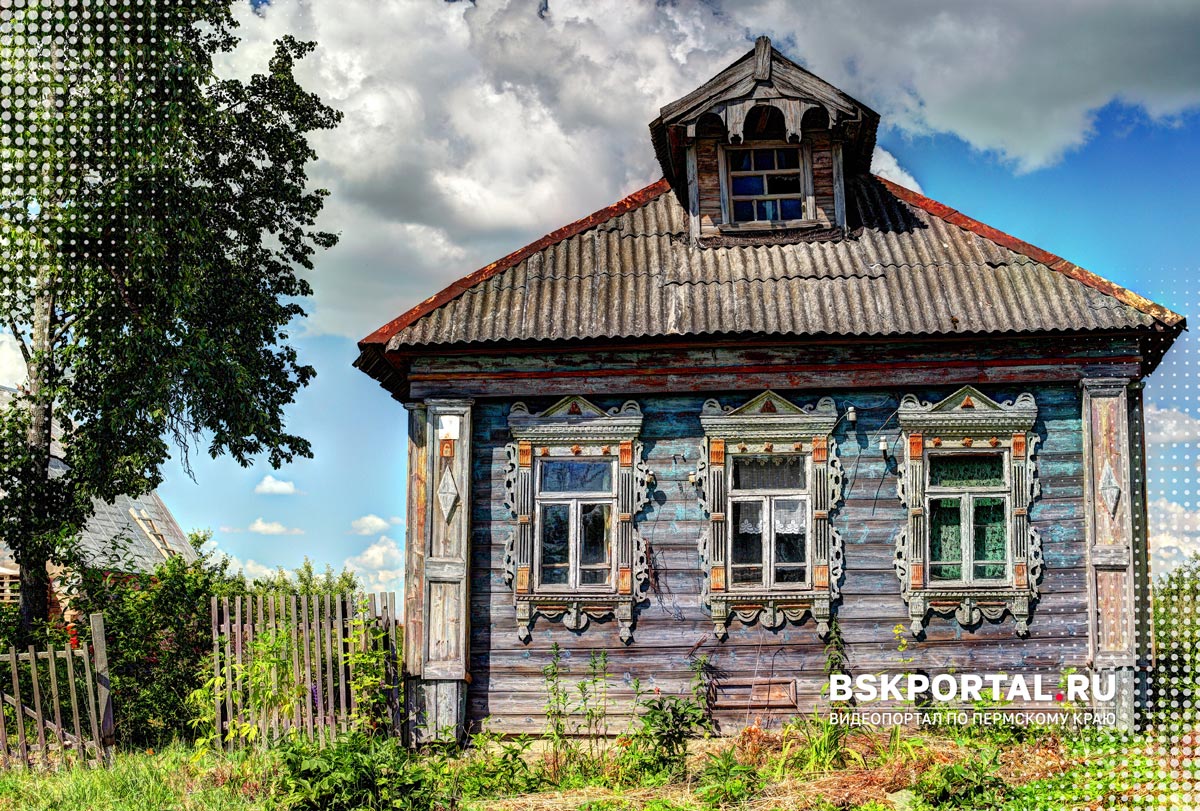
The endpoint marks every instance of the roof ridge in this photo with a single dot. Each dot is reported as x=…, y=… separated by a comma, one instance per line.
x=635, y=200
x=1020, y=246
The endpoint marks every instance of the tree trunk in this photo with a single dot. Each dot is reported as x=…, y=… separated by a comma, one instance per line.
x=32, y=556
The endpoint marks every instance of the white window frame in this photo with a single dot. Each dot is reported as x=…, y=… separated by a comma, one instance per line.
x=807, y=195
x=966, y=497
x=575, y=500
x=768, y=497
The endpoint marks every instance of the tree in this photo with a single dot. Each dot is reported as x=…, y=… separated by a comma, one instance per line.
x=155, y=222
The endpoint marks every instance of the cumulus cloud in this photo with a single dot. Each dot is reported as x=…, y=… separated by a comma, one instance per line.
x=275, y=487
x=261, y=527
x=1174, y=534
x=884, y=164
x=471, y=129
x=371, y=524
x=1168, y=426
x=12, y=365
x=380, y=567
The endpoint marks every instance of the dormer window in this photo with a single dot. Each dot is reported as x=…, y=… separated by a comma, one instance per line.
x=768, y=183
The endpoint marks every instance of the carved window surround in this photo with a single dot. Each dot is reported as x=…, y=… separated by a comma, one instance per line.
x=574, y=428
x=769, y=424
x=969, y=422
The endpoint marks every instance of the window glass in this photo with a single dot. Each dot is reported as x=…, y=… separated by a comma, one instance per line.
x=764, y=158
x=743, y=210
x=791, y=209
x=783, y=184
x=966, y=470
x=576, y=476
x=747, y=557
x=945, y=539
x=748, y=184
x=775, y=472
x=768, y=210
x=991, y=541
x=791, y=542
x=739, y=160
x=787, y=158
x=556, y=544
x=594, y=544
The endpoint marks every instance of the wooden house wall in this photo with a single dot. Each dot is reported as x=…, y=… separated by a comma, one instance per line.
x=507, y=684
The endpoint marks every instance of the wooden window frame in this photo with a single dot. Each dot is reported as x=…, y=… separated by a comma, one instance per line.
x=807, y=194
x=967, y=495
x=574, y=500
x=768, y=497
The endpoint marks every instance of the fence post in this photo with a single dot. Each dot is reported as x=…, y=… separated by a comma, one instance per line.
x=103, y=691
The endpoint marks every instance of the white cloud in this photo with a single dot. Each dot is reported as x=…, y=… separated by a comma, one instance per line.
x=1167, y=426
x=275, y=487
x=260, y=527
x=885, y=165
x=372, y=524
x=380, y=567
x=1174, y=534
x=12, y=365
x=471, y=129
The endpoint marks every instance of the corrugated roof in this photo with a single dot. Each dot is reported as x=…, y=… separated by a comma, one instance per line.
x=914, y=268
x=113, y=537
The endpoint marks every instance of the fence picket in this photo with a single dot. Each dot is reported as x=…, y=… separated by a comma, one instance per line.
x=89, y=683
x=37, y=707
x=341, y=665
x=69, y=655
x=22, y=741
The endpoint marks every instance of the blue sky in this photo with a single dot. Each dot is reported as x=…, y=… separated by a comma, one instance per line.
x=471, y=129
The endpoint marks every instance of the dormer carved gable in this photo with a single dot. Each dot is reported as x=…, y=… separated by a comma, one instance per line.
x=759, y=152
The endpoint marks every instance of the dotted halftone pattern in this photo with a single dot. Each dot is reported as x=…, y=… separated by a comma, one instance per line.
x=72, y=70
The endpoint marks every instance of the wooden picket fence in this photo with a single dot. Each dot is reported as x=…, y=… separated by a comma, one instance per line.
x=60, y=708
x=318, y=634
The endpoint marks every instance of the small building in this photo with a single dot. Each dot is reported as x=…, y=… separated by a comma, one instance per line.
x=128, y=535
x=770, y=404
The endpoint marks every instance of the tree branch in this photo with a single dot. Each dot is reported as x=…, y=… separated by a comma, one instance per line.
x=12, y=325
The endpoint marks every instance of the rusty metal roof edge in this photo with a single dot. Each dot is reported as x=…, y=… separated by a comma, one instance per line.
x=1053, y=261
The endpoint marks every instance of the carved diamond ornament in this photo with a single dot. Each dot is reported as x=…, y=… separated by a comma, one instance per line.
x=447, y=493
x=1110, y=490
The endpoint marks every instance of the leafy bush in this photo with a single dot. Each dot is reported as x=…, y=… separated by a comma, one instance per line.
x=1176, y=686
x=357, y=772
x=725, y=781
x=971, y=783
x=655, y=751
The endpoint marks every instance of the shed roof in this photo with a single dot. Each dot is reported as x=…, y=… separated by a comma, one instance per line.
x=911, y=267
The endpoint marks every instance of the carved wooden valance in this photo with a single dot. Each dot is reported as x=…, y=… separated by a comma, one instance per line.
x=574, y=483
x=769, y=478
x=968, y=477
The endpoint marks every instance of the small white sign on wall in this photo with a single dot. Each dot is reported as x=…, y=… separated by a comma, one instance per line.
x=448, y=426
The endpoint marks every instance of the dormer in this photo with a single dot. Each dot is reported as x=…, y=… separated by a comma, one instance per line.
x=759, y=153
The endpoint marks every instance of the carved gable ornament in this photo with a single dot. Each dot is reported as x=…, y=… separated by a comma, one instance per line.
x=576, y=429
x=976, y=437
x=771, y=431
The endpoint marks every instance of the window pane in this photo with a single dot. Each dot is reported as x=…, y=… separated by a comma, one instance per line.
x=783, y=184
x=991, y=542
x=945, y=539
x=556, y=521
x=775, y=472
x=749, y=184
x=791, y=540
x=743, y=211
x=576, y=476
x=739, y=160
x=768, y=210
x=746, y=560
x=792, y=209
x=596, y=523
x=970, y=470
x=787, y=158
x=764, y=159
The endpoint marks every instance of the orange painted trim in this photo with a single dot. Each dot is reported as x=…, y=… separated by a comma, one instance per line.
x=1050, y=260
x=381, y=336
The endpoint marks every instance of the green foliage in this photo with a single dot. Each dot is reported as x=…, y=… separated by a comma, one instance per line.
x=725, y=782
x=153, y=238
x=369, y=684
x=971, y=783
x=357, y=771
x=306, y=580
x=159, y=633
x=1177, y=644
x=560, y=749
x=814, y=745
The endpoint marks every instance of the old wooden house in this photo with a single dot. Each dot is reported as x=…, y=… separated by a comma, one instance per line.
x=769, y=402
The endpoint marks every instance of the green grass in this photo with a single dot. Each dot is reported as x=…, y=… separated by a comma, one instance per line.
x=142, y=781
